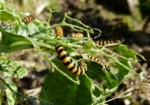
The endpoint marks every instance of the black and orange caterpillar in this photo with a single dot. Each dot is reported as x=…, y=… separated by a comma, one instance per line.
x=97, y=60
x=59, y=32
x=28, y=19
x=77, y=35
x=107, y=42
x=68, y=62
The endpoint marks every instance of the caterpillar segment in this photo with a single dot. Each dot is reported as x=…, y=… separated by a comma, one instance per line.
x=77, y=35
x=73, y=35
x=68, y=62
x=28, y=19
x=59, y=32
x=82, y=68
x=108, y=42
x=97, y=60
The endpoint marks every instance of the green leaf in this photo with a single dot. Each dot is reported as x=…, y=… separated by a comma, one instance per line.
x=11, y=98
x=44, y=102
x=12, y=69
x=124, y=51
x=96, y=72
x=60, y=90
x=105, y=80
x=122, y=72
x=32, y=28
x=2, y=2
x=84, y=90
x=4, y=48
x=5, y=15
x=13, y=42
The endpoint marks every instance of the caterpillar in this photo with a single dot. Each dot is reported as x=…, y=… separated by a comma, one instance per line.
x=68, y=62
x=103, y=43
x=77, y=35
x=101, y=62
x=59, y=32
x=28, y=19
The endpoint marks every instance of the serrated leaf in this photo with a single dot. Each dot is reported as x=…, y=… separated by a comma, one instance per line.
x=12, y=69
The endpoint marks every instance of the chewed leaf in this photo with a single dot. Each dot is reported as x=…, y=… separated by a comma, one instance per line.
x=12, y=69
x=106, y=78
x=128, y=53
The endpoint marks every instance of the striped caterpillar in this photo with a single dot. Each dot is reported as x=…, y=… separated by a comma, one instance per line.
x=104, y=43
x=59, y=32
x=28, y=19
x=68, y=62
x=97, y=60
x=77, y=35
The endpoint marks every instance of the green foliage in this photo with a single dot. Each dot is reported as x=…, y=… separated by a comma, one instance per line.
x=11, y=97
x=62, y=87
x=12, y=69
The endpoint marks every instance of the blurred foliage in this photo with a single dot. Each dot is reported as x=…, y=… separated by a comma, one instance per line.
x=144, y=7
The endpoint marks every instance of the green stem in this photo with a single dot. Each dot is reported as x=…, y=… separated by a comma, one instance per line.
x=1, y=79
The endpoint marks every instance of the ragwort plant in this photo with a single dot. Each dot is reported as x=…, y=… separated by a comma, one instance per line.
x=60, y=86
